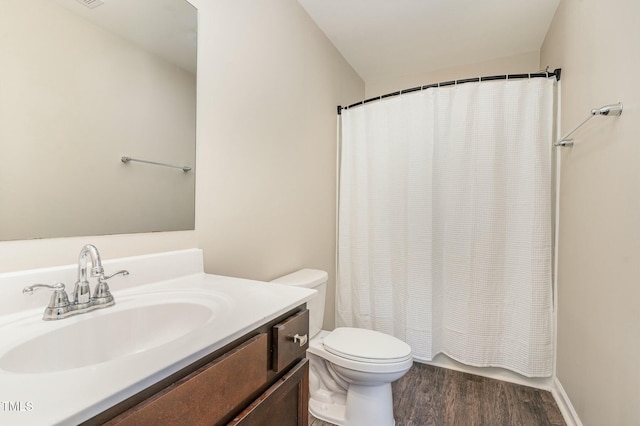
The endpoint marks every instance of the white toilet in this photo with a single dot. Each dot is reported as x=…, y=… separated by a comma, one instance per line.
x=350, y=369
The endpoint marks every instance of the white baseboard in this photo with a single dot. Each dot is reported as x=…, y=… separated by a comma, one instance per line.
x=564, y=404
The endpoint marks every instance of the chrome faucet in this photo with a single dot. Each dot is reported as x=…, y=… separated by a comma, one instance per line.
x=60, y=307
x=82, y=291
x=102, y=297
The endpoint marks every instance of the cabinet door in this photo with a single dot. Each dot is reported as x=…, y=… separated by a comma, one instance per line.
x=206, y=396
x=283, y=404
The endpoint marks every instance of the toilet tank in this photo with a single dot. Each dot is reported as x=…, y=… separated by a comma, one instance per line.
x=317, y=280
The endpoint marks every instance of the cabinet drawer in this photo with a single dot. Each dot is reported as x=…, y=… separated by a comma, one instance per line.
x=283, y=404
x=290, y=340
x=207, y=395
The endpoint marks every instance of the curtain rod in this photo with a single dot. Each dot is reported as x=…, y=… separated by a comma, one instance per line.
x=540, y=74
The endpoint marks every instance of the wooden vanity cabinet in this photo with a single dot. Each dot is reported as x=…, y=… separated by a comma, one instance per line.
x=261, y=379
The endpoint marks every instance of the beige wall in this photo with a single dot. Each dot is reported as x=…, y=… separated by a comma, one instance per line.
x=522, y=63
x=269, y=83
x=597, y=44
x=75, y=98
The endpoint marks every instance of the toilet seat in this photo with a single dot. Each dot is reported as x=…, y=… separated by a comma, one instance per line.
x=366, y=346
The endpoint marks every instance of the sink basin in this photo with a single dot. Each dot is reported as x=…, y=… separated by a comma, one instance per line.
x=106, y=335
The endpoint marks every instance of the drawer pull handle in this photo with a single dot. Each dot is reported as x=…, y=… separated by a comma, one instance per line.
x=302, y=340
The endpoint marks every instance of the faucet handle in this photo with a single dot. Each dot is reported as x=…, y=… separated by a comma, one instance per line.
x=29, y=290
x=59, y=306
x=108, y=277
x=102, y=296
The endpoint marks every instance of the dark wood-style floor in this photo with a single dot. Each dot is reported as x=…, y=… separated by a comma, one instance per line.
x=433, y=396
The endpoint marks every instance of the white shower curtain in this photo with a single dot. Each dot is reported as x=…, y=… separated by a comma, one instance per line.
x=445, y=236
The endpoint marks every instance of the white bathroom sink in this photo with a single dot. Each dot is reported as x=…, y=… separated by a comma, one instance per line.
x=106, y=335
x=168, y=315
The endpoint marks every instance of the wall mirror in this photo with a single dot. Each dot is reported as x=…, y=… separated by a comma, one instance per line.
x=82, y=84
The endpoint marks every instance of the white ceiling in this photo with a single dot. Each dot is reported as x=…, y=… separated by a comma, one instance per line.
x=388, y=38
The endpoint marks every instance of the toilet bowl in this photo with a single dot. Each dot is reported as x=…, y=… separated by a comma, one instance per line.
x=350, y=377
x=350, y=369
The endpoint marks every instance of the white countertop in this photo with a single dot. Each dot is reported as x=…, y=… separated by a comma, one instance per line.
x=72, y=396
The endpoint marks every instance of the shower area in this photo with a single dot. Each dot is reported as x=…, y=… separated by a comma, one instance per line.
x=446, y=220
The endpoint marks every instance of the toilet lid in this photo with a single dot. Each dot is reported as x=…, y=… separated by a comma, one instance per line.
x=366, y=346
